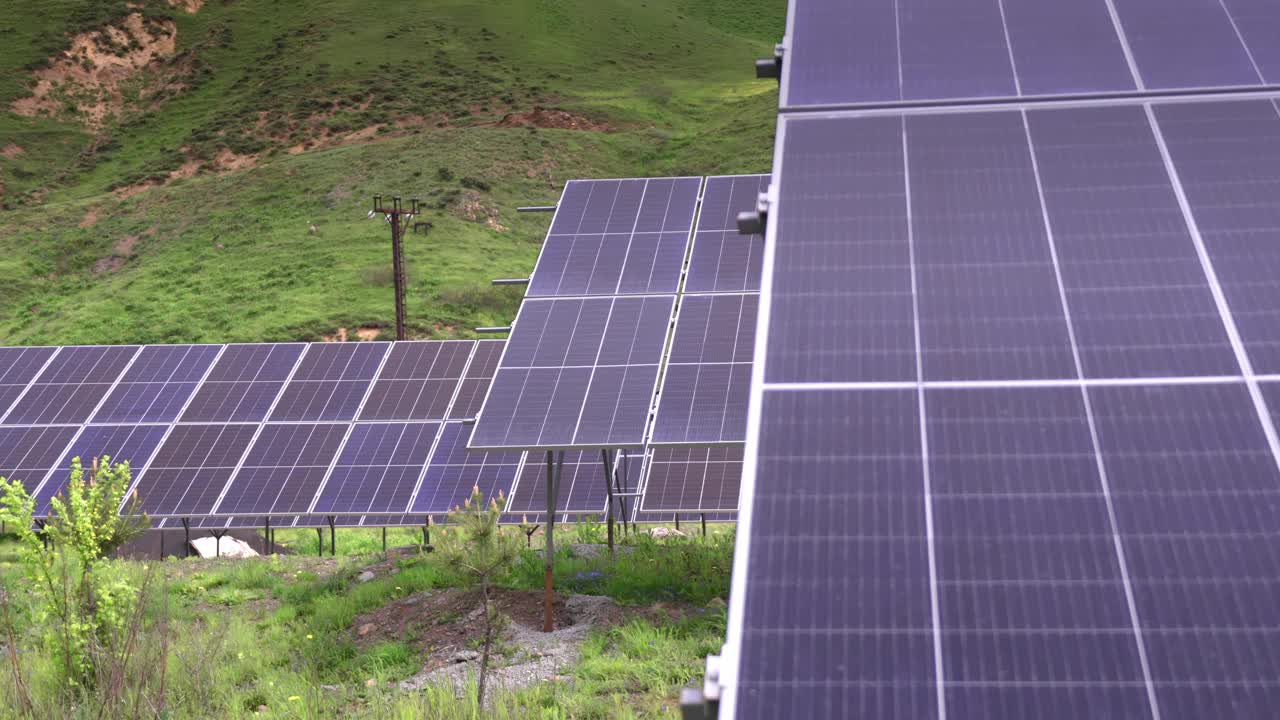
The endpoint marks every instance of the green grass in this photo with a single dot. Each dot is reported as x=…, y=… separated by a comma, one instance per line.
x=229, y=258
x=271, y=631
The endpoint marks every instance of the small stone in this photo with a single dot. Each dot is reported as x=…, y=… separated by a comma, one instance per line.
x=366, y=576
x=370, y=683
x=365, y=629
x=262, y=708
x=465, y=656
x=330, y=688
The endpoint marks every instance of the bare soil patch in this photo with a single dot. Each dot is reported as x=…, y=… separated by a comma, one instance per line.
x=473, y=207
x=448, y=625
x=12, y=150
x=90, y=217
x=101, y=67
x=191, y=6
x=550, y=118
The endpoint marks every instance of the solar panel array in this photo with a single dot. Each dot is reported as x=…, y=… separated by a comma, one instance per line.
x=253, y=431
x=871, y=52
x=1011, y=445
x=581, y=367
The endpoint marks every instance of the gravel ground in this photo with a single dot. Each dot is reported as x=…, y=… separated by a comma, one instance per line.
x=539, y=656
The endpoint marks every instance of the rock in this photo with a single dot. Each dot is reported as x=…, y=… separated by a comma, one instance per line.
x=660, y=533
x=330, y=688
x=370, y=683
x=465, y=656
x=262, y=708
x=366, y=576
x=717, y=604
x=367, y=628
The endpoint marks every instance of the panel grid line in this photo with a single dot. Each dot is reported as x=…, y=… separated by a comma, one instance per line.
x=938, y=669
x=137, y=350
x=169, y=430
x=355, y=418
x=422, y=474
x=1103, y=478
x=30, y=383
x=266, y=417
x=1219, y=297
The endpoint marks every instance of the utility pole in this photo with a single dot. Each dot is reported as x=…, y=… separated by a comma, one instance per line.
x=398, y=217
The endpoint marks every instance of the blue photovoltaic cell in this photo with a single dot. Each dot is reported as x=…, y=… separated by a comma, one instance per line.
x=18, y=367
x=192, y=466
x=243, y=383
x=1031, y=596
x=330, y=382
x=71, y=385
x=693, y=480
x=842, y=296
x=988, y=299
x=837, y=56
x=27, y=453
x=707, y=382
x=875, y=52
x=837, y=620
x=1258, y=22
x=1139, y=298
x=475, y=384
x=582, y=486
x=934, y=63
x=418, y=380
x=1228, y=158
x=378, y=469
x=577, y=372
x=723, y=260
x=158, y=384
x=133, y=444
x=1197, y=502
x=617, y=237
x=283, y=470
x=454, y=471
x=1066, y=47
x=1193, y=44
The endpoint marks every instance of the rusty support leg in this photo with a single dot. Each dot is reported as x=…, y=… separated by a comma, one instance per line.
x=608, y=486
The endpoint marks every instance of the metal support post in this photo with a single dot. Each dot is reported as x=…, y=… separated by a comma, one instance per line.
x=608, y=487
x=186, y=535
x=319, y=542
x=704, y=524
x=266, y=537
x=384, y=540
x=554, y=466
x=677, y=522
x=333, y=541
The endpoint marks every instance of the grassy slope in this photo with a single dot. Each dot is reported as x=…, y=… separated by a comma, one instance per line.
x=229, y=257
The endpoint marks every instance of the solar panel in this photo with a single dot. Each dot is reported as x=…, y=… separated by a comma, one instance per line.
x=191, y=468
x=418, y=381
x=244, y=383
x=18, y=367
x=283, y=470
x=475, y=384
x=1007, y=450
x=723, y=260
x=378, y=469
x=27, y=453
x=454, y=472
x=694, y=480
x=331, y=381
x=617, y=237
x=71, y=385
x=576, y=372
x=705, y=388
x=133, y=444
x=583, y=493
x=878, y=52
x=158, y=384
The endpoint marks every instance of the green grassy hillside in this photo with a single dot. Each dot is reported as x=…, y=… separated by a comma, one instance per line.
x=183, y=214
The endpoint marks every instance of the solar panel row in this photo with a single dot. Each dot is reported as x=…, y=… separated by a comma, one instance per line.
x=878, y=52
x=1012, y=447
